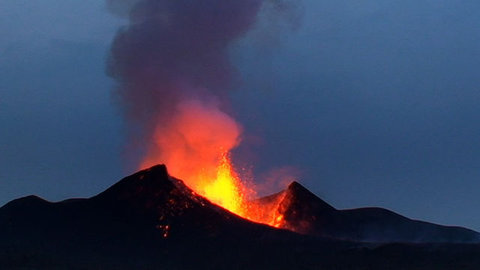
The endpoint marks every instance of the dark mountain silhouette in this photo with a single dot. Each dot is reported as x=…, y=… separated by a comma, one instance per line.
x=305, y=213
x=150, y=220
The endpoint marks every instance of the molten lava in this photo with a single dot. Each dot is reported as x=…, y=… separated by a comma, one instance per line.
x=226, y=189
x=230, y=192
x=195, y=145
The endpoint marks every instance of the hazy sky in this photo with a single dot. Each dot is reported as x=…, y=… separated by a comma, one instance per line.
x=371, y=103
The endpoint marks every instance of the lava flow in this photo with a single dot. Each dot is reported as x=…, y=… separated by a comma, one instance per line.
x=230, y=192
x=226, y=190
x=196, y=145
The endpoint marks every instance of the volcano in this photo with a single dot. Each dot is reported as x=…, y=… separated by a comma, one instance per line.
x=151, y=220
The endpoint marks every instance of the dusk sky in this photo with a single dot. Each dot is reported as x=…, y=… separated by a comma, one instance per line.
x=366, y=103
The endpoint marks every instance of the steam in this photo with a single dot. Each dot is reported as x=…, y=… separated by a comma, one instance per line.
x=173, y=71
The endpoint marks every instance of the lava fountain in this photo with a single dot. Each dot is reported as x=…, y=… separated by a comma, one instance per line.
x=173, y=71
x=196, y=147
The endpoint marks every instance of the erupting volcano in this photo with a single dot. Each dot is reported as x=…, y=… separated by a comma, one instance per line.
x=196, y=147
x=174, y=73
x=151, y=220
x=188, y=206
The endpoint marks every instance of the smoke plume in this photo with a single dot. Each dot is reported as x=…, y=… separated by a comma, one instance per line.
x=173, y=72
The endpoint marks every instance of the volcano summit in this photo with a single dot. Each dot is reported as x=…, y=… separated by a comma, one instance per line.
x=151, y=220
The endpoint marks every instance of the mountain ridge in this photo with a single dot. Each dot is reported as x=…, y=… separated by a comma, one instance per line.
x=306, y=213
x=150, y=220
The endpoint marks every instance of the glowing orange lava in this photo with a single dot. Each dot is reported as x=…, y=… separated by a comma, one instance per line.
x=226, y=189
x=195, y=146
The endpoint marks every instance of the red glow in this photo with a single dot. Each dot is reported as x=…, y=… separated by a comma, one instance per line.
x=196, y=147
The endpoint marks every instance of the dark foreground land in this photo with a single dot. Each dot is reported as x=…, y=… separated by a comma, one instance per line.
x=152, y=221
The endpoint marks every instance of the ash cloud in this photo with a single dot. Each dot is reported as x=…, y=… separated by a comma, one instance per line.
x=176, y=51
x=170, y=47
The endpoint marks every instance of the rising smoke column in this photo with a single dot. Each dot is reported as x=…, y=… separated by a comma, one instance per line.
x=173, y=71
x=174, y=53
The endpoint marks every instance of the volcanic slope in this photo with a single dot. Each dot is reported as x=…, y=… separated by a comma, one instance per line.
x=303, y=212
x=150, y=220
x=147, y=219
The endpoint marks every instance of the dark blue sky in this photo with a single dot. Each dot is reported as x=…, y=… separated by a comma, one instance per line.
x=374, y=103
